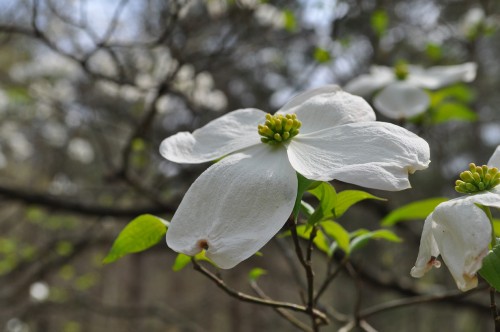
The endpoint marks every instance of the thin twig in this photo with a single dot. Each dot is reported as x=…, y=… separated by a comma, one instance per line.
x=310, y=278
x=307, y=264
x=329, y=279
x=282, y=312
x=252, y=299
x=399, y=303
x=494, y=311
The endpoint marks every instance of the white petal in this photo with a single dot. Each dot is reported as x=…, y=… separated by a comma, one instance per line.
x=463, y=233
x=233, y=131
x=495, y=158
x=401, y=100
x=306, y=95
x=440, y=76
x=489, y=198
x=236, y=206
x=371, y=154
x=327, y=109
x=428, y=251
x=365, y=85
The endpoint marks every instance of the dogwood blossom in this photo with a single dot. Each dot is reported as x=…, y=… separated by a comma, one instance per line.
x=239, y=203
x=402, y=93
x=459, y=230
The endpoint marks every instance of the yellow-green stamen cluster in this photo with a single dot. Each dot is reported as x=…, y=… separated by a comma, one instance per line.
x=279, y=128
x=478, y=178
x=401, y=71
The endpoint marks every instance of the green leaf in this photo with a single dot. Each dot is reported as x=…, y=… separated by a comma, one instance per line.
x=434, y=51
x=415, y=210
x=491, y=268
x=496, y=227
x=290, y=20
x=453, y=111
x=347, y=198
x=338, y=233
x=327, y=197
x=458, y=92
x=379, y=22
x=306, y=209
x=303, y=185
x=140, y=234
x=182, y=260
x=320, y=240
x=321, y=55
x=384, y=234
x=256, y=273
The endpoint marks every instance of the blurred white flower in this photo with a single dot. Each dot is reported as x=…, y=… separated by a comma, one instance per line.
x=460, y=232
x=39, y=291
x=268, y=15
x=80, y=150
x=402, y=92
x=239, y=203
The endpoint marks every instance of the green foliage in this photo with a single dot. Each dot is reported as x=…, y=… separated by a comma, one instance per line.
x=290, y=20
x=303, y=185
x=379, y=22
x=496, y=227
x=331, y=235
x=336, y=232
x=320, y=240
x=348, y=198
x=64, y=248
x=333, y=205
x=364, y=236
x=140, y=234
x=182, y=260
x=490, y=270
x=434, y=51
x=415, y=210
x=321, y=55
x=327, y=197
x=451, y=103
x=306, y=209
x=256, y=273
x=453, y=111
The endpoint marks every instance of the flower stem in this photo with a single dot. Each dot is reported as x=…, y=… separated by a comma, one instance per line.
x=493, y=306
x=487, y=210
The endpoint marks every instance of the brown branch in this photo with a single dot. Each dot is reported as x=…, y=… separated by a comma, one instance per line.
x=26, y=196
x=282, y=312
x=494, y=312
x=399, y=303
x=252, y=299
x=329, y=278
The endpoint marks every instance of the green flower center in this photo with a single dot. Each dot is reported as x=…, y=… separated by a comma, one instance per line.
x=401, y=71
x=279, y=128
x=477, y=178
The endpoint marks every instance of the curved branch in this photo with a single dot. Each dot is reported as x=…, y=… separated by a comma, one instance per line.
x=44, y=199
x=252, y=299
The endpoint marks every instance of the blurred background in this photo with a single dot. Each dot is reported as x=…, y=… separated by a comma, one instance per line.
x=88, y=89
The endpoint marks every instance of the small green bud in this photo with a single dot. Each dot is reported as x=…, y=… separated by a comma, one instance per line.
x=401, y=70
x=466, y=176
x=288, y=124
x=279, y=128
x=477, y=178
x=277, y=125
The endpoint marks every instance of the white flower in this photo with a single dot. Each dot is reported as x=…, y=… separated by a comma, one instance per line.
x=239, y=203
x=460, y=232
x=405, y=97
